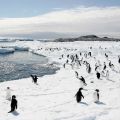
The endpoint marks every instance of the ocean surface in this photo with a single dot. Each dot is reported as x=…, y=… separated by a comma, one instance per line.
x=21, y=64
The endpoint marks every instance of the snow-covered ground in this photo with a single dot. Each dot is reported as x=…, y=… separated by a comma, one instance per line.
x=54, y=96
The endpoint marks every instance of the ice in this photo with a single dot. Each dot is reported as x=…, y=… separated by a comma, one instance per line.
x=54, y=96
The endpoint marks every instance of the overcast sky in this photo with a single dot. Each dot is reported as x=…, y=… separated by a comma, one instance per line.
x=100, y=17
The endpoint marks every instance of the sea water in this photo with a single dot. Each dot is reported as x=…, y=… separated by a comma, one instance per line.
x=21, y=64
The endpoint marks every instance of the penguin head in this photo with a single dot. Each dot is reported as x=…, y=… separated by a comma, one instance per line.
x=97, y=90
x=8, y=87
x=13, y=97
x=80, y=89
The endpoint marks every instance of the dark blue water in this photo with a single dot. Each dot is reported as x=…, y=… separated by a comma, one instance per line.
x=22, y=64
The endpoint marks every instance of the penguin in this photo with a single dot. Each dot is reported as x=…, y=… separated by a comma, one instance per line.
x=76, y=74
x=8, y=94
x=96, y=96
x=83, y=81
x=79, y=95
x=106, y=55
x=119, y=59
x=13, y=104
x=98, y=75
x=107, y=75
x=88, y=68
x=64, y=65
x=34, y=78
x=89, y=53
x=104, y=68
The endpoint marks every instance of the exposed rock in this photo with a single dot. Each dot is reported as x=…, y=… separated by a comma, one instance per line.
x=86, y=38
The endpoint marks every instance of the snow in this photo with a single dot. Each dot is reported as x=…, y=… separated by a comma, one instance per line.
x=54, y=96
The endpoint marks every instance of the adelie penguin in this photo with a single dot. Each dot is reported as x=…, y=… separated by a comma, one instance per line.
x=76, y=74
x=104, y=68
x=119, y=59
x=96, y=96
x=79, y=95
x=34, y=78
x=98, y=75
x=13, y=104
x=8, y=94
x=82, y=81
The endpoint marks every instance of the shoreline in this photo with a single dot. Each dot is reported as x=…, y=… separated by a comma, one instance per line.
x=49, y=65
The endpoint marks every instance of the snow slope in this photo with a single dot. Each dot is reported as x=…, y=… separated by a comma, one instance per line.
x=54, y=96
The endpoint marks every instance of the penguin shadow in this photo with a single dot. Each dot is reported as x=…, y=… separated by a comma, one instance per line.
x=110, y=80
x=84, y=103
x=15, y=113
x=100, y=103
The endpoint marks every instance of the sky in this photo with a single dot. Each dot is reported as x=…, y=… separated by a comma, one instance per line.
x=76, y=17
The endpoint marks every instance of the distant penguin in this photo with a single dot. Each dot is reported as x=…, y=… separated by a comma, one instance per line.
x=76, y=56
x=67, y=61
x=34, y=78
x=68, y=56
x=106, y=55
x=96, y=67
x=80, y=53
x=96, y=96
x=98, y=75
x=8, y=93
x=119, y=59
x=104, y=68
x=107, y=74
x=103, y=73
x=88, y=68
x=111, y=65
x=76, y=74
x=89, y=54
x=64, y=65
x=82, y=81
x=79, y=95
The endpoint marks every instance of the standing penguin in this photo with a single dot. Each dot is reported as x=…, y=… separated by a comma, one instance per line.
x=79, y=95
x=89, y=53
x=119, y=59
x=35, y=79
x=104, y=68
x=64, y=65
x=88, y=68
x=82, y=81
x=107, y=75
x=98, y=75
x=8, y=94
x=76, y=74
x=96, y=96
x=106, y=55
x=13, y=104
